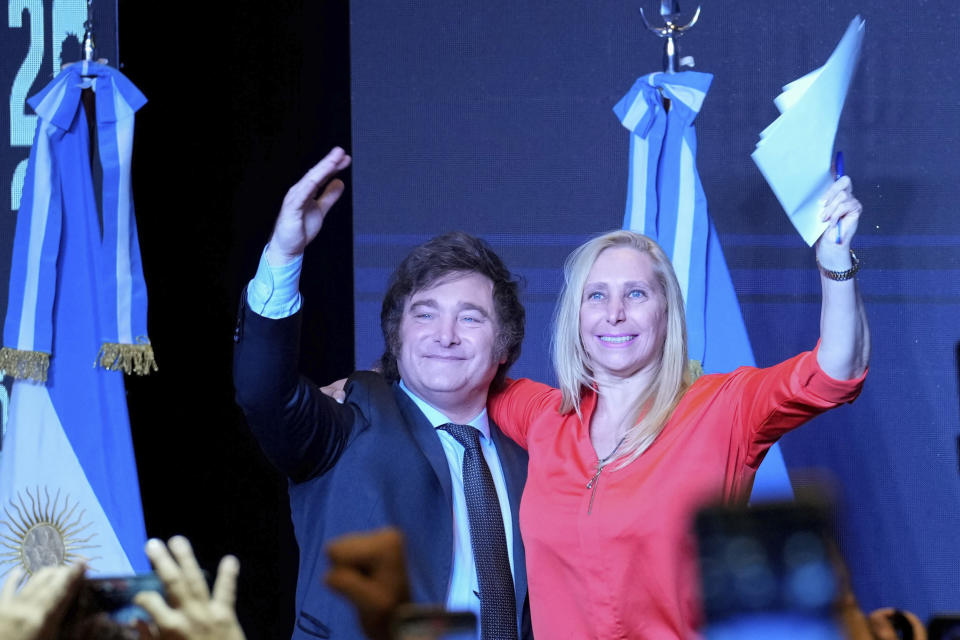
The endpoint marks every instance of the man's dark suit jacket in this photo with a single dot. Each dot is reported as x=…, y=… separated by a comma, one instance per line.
x=372, y=462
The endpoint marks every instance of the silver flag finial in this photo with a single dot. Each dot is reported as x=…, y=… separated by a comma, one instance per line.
x=671, y=31
x=670, y=10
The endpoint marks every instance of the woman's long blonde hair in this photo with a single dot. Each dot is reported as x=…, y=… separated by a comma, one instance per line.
x=653, y=407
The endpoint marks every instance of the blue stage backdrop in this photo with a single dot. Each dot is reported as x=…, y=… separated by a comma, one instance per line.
x=496, y=118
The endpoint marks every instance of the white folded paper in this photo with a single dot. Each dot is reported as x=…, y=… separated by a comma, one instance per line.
x=794, y=152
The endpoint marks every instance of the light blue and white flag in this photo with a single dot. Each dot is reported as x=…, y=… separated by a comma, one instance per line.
x=665, y=201
x=68, y=479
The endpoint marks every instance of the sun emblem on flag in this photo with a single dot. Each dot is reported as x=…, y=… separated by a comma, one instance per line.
x=41, y=532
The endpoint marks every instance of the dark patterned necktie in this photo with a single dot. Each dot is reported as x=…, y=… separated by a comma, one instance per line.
x=498, y=609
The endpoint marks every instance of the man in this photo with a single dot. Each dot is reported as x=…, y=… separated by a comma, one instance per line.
x=411, y=448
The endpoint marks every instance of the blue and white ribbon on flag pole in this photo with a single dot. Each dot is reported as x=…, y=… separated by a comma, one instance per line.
x=68, y=479
x=666, y=202
x=58, y=178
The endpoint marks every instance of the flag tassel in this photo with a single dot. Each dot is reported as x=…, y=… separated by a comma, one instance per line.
x=129, y=358
x=24, y=365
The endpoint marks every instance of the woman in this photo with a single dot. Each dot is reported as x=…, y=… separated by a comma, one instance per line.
x=629, y=446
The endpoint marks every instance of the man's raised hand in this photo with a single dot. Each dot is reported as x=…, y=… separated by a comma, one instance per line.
x=303, y=210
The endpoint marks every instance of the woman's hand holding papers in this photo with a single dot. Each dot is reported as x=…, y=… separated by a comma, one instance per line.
x=844, y=335
x=840, y=207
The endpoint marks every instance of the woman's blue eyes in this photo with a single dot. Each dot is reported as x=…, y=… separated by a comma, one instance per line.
x=635, y=294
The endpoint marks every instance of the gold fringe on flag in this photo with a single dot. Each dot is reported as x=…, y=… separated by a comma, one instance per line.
x=25, y=365
x=129, y=358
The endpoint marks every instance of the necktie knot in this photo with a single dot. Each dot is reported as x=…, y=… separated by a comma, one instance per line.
x=467, y=436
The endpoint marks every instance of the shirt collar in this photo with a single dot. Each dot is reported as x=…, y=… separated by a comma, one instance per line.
x=438, y=419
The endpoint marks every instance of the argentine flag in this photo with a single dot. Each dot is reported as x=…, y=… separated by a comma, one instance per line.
x=68, y=480
x=665, y=201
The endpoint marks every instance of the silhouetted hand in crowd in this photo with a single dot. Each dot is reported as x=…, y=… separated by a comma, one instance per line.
x=190, y=612
x=889, y=623
x=370, y=570
x=36, y=611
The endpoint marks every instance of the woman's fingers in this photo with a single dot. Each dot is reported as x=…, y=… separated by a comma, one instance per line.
x=839, y=201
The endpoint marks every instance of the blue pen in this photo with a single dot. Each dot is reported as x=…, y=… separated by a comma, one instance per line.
x=838, y=171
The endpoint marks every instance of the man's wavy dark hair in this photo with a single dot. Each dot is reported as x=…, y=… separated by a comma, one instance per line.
x=433, y=261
